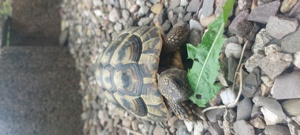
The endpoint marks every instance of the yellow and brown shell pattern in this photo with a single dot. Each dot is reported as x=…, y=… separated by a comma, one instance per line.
x=127, y=72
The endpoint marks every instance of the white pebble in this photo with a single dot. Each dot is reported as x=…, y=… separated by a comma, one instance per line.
x=233, y=49
x=189, y=125
x=297, y=59
x=227, y=96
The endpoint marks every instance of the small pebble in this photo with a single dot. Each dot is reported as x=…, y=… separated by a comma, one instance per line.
x=205, y=21
x=227, y=96
x=157, y=8
x=233, y=49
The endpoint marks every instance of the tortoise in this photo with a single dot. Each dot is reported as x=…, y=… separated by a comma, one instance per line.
x=129, y=73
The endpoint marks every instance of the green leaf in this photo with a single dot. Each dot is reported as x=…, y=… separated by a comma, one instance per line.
x=203, y=74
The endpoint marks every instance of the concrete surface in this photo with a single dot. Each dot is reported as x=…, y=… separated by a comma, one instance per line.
x=39, y=92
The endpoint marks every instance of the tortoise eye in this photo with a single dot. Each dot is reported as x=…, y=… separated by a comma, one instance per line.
x=178, y=81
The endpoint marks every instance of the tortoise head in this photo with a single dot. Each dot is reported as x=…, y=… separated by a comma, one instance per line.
x=174, y=86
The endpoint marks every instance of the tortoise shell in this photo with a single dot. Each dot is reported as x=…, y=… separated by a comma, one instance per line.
x=127, y=72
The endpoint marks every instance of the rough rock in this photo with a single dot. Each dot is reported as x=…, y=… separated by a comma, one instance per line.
x=198, y=128
x=157, y=8
x=262, y=12
x=158, y=130
x=244, y=108
x=295, y=10
x=244, y=4
x=276, y=130
x=287, y=86
x=193, y=5
x=215, y=114
x=233, y=49
x=243, y=128
x=189, y=125
x=208, y=7
x=287, y=5
x=267, y=81
x=195, y=25
x=279, y=60
x=271, y=104
x=114, y=15
x=253, y=61
x=184, y=3
x=214, y=128
x=272, y=48
x=125, y=14
x=255, y=111
x=174, y=4
x=251, y=83
x=143, y=11
x=257, y=122
x=290, y=42
x=278, y=27
x=271, y=118
x=240, y=25
x=291, y=107
x=261, y=39
x=227, y=96
x=296, y=60
x=232, y=66
x=206, y=20
x=194, y=38
x=181, y=131
x=294, y=128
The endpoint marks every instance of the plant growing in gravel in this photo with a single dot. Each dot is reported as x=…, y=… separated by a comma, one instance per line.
x=205, y=56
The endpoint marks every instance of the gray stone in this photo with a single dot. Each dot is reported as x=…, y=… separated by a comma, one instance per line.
x=172, y=17
x=215, y=129
x=184, y=3
x=187, y=17
x=271, y=104
x=291, y=107
x=295, y=10
x=180, y=131
x=279, y=60
x=294, y=128
x=194, y=37
x=257, y=122
x=244, y=4
x=125, y=14
x=278, y=27
x=174, y=4
x=166, y=26
x=287, y=5
x=243, y=128
x=290, y=43
x=143, y=11
x=255, y=111
x=193, y=5
x=251, y=83
x=253, y=61
x=262, y=12
x=270, y=118
x=162, y=16
x=261, y=39
x=233, y=49
x=114, y=15
x=272, y=48
x=232, y=65
x=296, y=61
x=208, y=7
x=244, y=108
x=195, y=25
x=215, y=114
x=276, y=130
x=239, y=25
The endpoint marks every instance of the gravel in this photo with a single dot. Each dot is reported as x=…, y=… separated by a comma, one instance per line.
x=93, y=24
